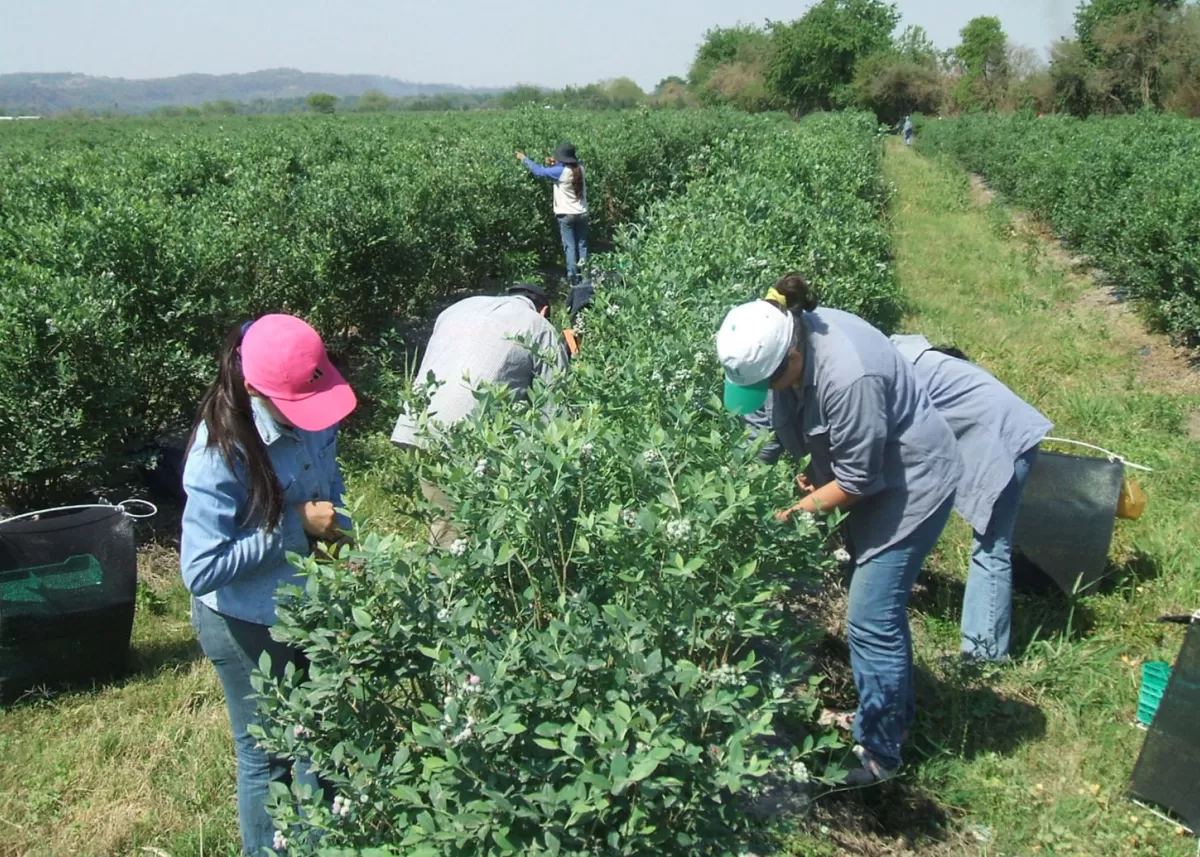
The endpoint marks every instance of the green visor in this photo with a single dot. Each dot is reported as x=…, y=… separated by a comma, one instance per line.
x=746, y=400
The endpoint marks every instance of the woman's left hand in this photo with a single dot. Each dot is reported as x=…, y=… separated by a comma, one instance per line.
x=520, y=156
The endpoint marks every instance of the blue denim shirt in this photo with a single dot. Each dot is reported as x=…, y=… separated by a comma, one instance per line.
x=235, y=569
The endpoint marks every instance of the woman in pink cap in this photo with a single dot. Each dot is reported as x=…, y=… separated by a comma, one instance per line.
x=261, y=479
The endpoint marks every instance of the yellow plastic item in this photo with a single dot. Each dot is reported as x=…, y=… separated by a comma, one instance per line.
x=572, y=341
x=1133, y=500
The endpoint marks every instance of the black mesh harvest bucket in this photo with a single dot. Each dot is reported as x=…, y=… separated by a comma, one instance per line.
x=68, y=582
x=1065, y=522
x=1166, y=770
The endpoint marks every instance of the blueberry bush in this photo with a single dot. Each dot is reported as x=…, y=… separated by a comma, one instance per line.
x=604, y=660
x=1124, y=191
x=127, y=251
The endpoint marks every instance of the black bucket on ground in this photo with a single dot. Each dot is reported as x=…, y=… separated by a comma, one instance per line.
x=1065, y=522
x=68, y=585
x=1166, y=770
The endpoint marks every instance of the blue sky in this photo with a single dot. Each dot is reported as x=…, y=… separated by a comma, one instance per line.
x=470, y=42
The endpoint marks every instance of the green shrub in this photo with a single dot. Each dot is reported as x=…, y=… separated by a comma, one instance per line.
x=1123, y=190
x=605, y=661
x=124, y=260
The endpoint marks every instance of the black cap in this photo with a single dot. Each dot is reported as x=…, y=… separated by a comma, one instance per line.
x=565, y=153
x=532, y=291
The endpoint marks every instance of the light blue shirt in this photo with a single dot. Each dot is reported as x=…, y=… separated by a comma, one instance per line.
x=993, y=425
x=235, y=568
x=867, y=423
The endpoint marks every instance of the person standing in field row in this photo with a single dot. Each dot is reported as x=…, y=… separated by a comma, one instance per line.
x=570, y=203
x=262, y=480
x=908, y=130
x=998, y=435
x=476, y=341
x=833, y=388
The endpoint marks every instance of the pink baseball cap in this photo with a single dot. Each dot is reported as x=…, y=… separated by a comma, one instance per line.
x=285, y=360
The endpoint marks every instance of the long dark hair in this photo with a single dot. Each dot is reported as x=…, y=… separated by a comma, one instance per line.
x=226, y=410
x=796, y=293
x=576, y=179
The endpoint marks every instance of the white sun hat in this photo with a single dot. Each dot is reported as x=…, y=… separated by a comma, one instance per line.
x=752, y=343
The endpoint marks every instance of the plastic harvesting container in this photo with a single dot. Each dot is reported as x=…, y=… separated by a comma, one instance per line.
x=1155, y=675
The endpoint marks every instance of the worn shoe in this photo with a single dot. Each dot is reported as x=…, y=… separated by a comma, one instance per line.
x=871, y=771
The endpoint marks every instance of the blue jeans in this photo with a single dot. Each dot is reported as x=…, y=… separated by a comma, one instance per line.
x=987, y=603
x=880, y=640
x=574, y=228
x=908, y=138
x=234, y=647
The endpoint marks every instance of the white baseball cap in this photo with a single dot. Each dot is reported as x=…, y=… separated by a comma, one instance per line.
x=752, y=343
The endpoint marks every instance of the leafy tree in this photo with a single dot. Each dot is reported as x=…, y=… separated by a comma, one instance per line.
x=219, y=108
x=1074, y=78
x=914, y=46
x=373, y=101
x=524, y=94
x=983, y=57
x=1092, y=14
x=722, y=45
x=893, y=86
x=623, y=93
x=669, y=82
x=321, y=102
x=812, y=60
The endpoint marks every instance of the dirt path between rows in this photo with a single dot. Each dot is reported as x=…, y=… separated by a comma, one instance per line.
x=1163, y=366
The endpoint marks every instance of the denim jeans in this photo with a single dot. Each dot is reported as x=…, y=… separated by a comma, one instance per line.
x=234, y=647
x=987, y=603
x=574, y=228
x=880, y=640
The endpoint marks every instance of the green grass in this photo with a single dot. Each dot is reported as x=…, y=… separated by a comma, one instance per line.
x=1036, y=758
x=1032, y=760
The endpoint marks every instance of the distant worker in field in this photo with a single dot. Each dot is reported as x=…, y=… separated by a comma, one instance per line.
x=262, y=481
x=998, y=435
x=908, y=130
x=476, y=341
x=570, y=203
x=836, y=392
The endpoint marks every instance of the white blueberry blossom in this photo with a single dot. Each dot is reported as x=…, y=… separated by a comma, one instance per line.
x=472, y=684
x=585, y=451
x=679, y=530
x=612, y=309
x=842, y=556
x=651, y=455
x=800, y=772
x=341, y=806
x=726, y=675
x=730, y=619
x=301, y=732
x=443, y=615
x=279, y=842
x=458, y=547
x=628, y=517
x=481, y=468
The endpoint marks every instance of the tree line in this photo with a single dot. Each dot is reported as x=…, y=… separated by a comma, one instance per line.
x=1125, y=56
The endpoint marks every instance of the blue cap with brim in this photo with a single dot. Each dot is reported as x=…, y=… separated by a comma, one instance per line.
x=746, y=400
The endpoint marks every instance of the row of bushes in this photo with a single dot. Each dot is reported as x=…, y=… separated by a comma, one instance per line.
x=1125, y=191
x=123, y=262
x=603, y=662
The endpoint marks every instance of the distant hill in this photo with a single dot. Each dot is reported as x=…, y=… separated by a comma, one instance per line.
x=57, y=92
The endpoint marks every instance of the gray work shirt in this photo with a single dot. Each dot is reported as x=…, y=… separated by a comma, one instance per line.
x=993, y=425
x=475, y=341
x=866, y=422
